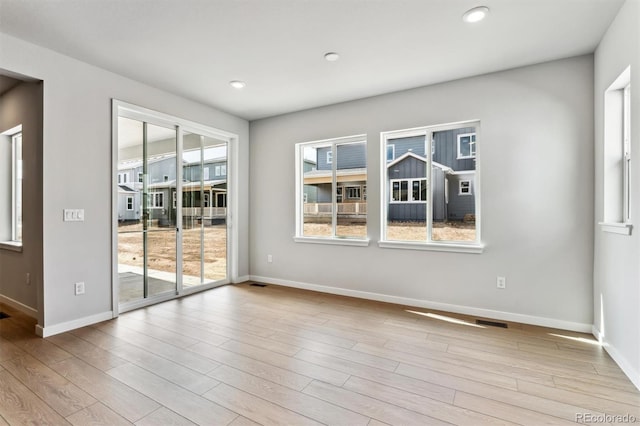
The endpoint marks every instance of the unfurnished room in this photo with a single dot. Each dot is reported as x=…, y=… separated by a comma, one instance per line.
x=340, y=212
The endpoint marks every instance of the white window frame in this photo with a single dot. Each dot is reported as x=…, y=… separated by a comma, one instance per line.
x=300, y=196
x=174, y=198
x=15, y=235
x=156, y=200
x=393, y=152
x=123, y=177
x=129, y=202
x=347, y=192
x=617, y=156
x=410, y=199
x=223, y=170
x=461, y=187
x=205, y=173
x=385, y=183
x=140, y=177
x=217, y=170
x=472, y=146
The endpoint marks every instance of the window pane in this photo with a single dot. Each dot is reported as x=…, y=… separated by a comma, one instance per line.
x=453, y=209
x=406, y=212
x=317, y=188
x=351, y=174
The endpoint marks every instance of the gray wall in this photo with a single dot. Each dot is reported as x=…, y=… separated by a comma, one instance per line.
x=546, y=258
x=23, y=105
x=617, y=258
x=77, y=131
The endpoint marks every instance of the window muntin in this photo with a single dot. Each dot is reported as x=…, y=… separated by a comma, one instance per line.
x=331, y=177
x=421, y=204
x=129, y=203
x=466, y=146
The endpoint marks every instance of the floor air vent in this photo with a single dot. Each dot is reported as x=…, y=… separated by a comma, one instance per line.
x=492, y=323
x=3, y=315
x=258, y=285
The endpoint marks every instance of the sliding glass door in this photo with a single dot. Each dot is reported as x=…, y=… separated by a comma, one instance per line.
x=170, y=197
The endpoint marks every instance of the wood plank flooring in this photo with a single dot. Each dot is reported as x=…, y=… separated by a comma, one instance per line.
x=246, y=355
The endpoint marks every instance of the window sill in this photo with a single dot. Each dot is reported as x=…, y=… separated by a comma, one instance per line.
x=332, y=241
x=11, y=246
x=450, y=247
x=616, y=228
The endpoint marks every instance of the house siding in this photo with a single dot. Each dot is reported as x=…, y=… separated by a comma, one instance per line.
x=413, y=144
x=350, y=156
x=446, y=149
x=461, y=205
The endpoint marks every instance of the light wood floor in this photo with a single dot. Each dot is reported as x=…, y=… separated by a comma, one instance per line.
x=244, y=355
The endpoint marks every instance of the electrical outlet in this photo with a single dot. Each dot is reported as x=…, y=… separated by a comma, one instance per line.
x=269, y=258
x=501, y=282
x=79, y=288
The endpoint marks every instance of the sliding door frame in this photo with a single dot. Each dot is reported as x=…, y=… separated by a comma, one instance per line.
x=124, y=109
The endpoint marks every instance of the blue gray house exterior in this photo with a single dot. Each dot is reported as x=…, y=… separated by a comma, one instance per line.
x=203, y=185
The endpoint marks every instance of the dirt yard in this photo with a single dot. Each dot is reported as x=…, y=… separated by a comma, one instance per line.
x=400, y=231
x=162, y=250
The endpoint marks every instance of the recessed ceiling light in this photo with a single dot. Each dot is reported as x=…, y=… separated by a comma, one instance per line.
x=331, y=56
x=237, y=84
x=476, y=14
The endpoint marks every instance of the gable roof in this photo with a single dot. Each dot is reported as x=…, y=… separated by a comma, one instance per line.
x=406, y=155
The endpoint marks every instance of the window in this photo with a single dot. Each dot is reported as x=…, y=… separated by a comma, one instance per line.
x=123, y=177
x=11, y=188
x=329, y=201
x=129, y=203
x=353, y=192
x=223, y=170
x=218, y=170
x=464, y=187
x=205, y=173
x=206, y=200
x=466, y=145
x=140, y=177
x=420, y=209
x=165, y=178
x=391, y=152
x=174, y=199
x=617, y=155
x=401, y=194
x=156, y=200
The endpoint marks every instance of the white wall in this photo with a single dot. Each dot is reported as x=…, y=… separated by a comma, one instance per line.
x=537, y=198
x=23, y=105
x=617, y=257
x=77, y=173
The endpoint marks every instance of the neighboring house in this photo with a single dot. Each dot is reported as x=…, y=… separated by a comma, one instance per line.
x=351, y=182
x=209, y=204
x=128, y=204
x=452, y=174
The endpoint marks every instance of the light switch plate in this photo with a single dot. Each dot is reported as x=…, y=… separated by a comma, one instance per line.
x=73, y=215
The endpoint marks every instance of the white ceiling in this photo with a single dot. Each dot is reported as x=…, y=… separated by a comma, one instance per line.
x=195, y=47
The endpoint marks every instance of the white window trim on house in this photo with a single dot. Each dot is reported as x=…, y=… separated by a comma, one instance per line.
x=410, y=198
x=472, y=146
x=393, y=152
x=129, y=203
x=462, y=187
x=447, y=246
x=156, y=200
x=205, y=173
x=300, y=196
x=617, y=148
x=352, y=189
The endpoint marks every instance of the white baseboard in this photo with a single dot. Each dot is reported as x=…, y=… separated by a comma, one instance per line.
x=623, y=363
x=242, y=279
x=460, y=309
x=72, y=325
x=27, y=310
